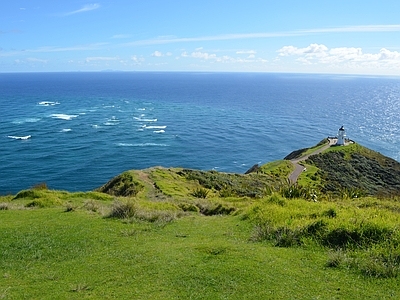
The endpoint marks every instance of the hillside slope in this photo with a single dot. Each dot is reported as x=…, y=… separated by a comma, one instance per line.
x=356, y=167
x=338, y=168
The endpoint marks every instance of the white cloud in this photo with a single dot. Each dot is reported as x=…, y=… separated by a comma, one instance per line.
x=347, y=57
x=390, y=55
x=66, y=49
x=85, y=8
x=157, y=54
x=203, y=55
x=101, y=58
x=121, y=36
x=212, y=57
x=36, y=60
x=235, y=36
x=136, y=59
x=311, y=50
x=251, y=52
x=31, y=60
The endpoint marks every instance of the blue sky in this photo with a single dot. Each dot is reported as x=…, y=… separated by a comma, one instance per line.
x=347, y=37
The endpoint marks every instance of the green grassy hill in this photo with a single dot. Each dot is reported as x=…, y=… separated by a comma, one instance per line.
x=358, y=168
x=178, y=233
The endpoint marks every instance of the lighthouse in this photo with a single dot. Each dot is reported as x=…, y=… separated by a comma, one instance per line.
x=341, y=136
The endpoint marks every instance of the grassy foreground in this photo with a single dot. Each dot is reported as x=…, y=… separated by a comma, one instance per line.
x=189, y=234
x=59, y=245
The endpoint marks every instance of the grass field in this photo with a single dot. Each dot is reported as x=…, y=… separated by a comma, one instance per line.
x=187, y=234
x=72, y=249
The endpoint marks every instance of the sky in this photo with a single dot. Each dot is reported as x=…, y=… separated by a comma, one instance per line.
x=335, y=36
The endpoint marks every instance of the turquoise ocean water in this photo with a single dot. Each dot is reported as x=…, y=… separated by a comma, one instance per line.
x=75, y=131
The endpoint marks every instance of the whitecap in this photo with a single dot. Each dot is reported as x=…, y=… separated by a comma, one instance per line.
x=113, y=119
x=66, y=130
x=109, y=124
x=145, y=120
x=159, y=131
x=27, y=120
x=48, y=103
x=20, y=137
x=141, y=145
x=154, y=127
x=141, y=109
x=63, y=116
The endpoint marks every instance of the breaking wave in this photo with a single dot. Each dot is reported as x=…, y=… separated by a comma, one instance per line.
x=154, y=127
x=63, y=116
x=48, y=103
x=145, y=120
x=27, y=120
x=26, y=137
x=141, y=145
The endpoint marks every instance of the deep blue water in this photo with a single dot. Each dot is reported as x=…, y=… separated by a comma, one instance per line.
x=81, y=129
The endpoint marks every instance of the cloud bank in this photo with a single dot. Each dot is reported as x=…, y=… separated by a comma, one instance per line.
x=348, y=56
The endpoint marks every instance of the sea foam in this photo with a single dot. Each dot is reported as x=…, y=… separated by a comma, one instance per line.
x=48, y=103
x=63, y=116
x=154, y=127
x=145, y=120
x=141, y=145
x=27, y=120
x=20, y=137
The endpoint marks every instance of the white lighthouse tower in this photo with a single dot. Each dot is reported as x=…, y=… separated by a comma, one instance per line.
x=341, y=136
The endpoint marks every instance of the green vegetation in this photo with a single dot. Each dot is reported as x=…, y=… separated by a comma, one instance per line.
x=296, y=154
x=179, y=234
x=277, y=169
x=356, y=168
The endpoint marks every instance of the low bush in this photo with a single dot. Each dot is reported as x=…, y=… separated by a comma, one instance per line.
x=279, y=236
x=362, y=236
x=297, y=191
x=30, y=194
x=91, y=205
x=276, y=199
x=200, y=193
x=188, y=207
x=4, y=206
x=123, y=185
x=43, y=202
x=156, y=216
x=212, y=209
x=251, y=185
x=336, y=258
x=122, y=210
x=40, y=186
x=69, y=207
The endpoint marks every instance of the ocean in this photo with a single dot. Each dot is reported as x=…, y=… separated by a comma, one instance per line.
x=75, y=131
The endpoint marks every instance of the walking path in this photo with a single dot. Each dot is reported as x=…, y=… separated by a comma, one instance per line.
x=299, y=168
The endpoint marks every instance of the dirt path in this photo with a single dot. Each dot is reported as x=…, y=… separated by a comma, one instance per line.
x=299, y=168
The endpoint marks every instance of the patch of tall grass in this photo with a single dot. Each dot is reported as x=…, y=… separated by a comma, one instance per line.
x=133, y=210
x=367, y=236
